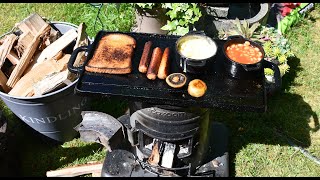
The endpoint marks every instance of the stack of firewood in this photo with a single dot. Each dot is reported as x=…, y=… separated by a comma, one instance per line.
x=32, y=59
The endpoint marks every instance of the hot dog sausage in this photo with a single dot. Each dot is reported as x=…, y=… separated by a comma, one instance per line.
x=164, y=65
x=145, y=58
x=154, y=63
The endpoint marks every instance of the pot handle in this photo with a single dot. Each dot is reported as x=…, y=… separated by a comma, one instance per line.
x=73, y=59
x=251, y=67
x=199, y=63
x=196, y=32
x=234, y=37
x=272, y=88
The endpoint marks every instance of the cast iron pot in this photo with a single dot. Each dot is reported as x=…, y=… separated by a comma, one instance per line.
x=239, y=70
x=190, y=65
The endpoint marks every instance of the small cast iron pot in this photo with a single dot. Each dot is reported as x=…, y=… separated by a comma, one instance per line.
x=192, y=65
x=239, y=70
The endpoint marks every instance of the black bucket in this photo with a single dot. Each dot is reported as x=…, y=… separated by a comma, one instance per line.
x=54, y=114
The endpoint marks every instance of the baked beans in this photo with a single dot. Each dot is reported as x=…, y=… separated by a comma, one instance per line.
x=244, y=53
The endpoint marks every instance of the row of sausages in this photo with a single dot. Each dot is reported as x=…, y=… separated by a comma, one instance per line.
x=155, y=63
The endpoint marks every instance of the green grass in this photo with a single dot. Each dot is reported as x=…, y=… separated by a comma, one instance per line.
x=255, y=148
x=113, y=17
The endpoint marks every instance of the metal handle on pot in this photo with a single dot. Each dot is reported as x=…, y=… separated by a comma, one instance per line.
x=234, y=37
x=196, y=32
x=73, y=59
x=199, y=63
x=272, y=88
x=251, y=67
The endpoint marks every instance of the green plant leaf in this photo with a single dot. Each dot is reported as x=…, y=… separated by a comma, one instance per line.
x=237, y=32
x=167, y=5
x=284, y=68
x=189, y=13
x=181, y=31
x=233, y=32
x=182, y=22
x=245, y=29
x=282, y=58
x=179, y=14
x=238, y=25
x=146, y=5
x=253, y=28
x=268, y=71
x=171, y=25
x=172, y=14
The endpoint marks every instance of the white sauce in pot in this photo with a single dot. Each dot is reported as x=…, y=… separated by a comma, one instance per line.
x=197, y=47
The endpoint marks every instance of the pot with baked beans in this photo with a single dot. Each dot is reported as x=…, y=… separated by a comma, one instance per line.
x=243, y=57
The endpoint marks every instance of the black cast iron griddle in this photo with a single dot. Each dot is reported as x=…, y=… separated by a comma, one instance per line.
x=223, y=91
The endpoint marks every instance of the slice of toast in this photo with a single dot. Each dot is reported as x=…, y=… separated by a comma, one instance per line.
x=113, y=55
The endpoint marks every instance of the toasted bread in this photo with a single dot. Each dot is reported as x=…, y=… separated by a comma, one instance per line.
x=113, y=55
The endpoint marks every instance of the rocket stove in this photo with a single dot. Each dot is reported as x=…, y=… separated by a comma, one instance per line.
x=159, y=141
x=166, y=132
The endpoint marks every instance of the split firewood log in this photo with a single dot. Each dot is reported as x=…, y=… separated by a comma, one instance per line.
x=25, y=85
x=32, y=24
x=30, y=27
x=6, y=47
x=26, y=57
x=3, y=81
x=13, y=57
x=51, y=82
x=94, y=169
x=23, y=43
x=54, y=48
x=82, y=40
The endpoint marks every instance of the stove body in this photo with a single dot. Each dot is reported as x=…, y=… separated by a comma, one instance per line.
x=165, y=141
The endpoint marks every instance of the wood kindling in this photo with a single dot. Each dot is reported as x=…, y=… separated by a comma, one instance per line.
x=6, y=47
x=33, y=24
x=94, y=169
x=25, y=85
x=3, y=81
x=54, y=48
x=51, y=82
x=23, y=43
x=26, y=57
x=13, y=57
x=82, y=40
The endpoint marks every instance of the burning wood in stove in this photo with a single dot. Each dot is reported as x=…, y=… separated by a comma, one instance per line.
x=155, y=154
